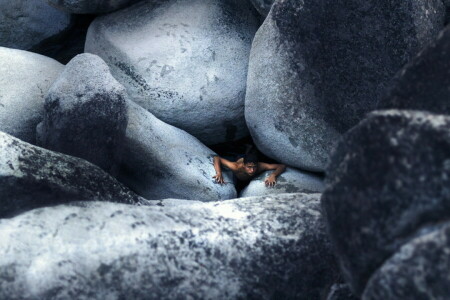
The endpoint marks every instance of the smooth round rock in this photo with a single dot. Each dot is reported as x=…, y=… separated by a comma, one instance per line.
x=316, y=69
x=388, y=177
x=290, y=181
x=25, y=78
x=161, y=161
x=419, y=270
x=90, y=6
x=26, y=23
x=33, y=177
x=185, y=61
x=423, y=84
x=86, y=114
x=251, y=248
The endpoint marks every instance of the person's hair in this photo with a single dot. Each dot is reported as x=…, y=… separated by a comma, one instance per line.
x=250, y=158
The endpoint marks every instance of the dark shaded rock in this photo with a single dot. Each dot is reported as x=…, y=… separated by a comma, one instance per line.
x=34, y=177
x=423, y=84
x=185, y=61
x=25, y=78
x=90, y=6
x=161, y=161
x=318, y=66
x=419, y=270
x=389, y=176
x=67, y=44
x=26, y=23
x=263, y=6
x=291, y=181
x=85, y=113
x=250, y=248
x=341, y=292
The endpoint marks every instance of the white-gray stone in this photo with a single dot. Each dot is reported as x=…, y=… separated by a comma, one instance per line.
x=161, y=161
x=26, y=23
x=290, y=181
x=34, y=177
x=25, y=78
x=90, y=6
x=318, y=66
x=183, y=60
x=252, y=248
x=86, y=113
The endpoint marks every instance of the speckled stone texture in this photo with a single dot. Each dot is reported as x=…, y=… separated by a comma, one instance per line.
x=419, y=270
x=161, y=161
x=290, y=181
x=185, y=61
x=90, y=6
x=26, y=23
x=389, y=176
x=263, y=6
x=85, y=113
x=34, y=177
x=25, y=78
x=250, y=248
x=423, y=84
x=318, y=66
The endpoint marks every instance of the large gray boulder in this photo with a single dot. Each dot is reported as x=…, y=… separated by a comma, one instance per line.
x=90, y=6
x=26, y=23
x=291, y=181
x=388, y=177
x=86, y=113
x=25, y=78
x=316, y=69
x=419, y=270
x=254, y=248
x=423, y=84
x=161, y=161
x=183, y=60
x=33, y=177
x=263, y=6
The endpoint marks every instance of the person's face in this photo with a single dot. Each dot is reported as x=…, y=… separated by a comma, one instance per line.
x=250, y=168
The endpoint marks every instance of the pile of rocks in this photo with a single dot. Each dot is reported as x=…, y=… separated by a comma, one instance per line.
x=106, y=171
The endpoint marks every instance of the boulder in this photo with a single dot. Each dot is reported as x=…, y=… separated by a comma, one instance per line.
x=86, y=113
x=263, y=6
x=290, y=181
x=388, y=177
x=183, y=60
x=253, y=248
x=161, y=161
x=419, y=270
x=423, y=83
x=25, y=78
x=26, y=23
x=34, y=177
x=316, y=69
x=90, y=6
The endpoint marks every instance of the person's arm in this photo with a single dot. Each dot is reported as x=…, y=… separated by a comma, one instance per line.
x=218, y=162
x=272, y=178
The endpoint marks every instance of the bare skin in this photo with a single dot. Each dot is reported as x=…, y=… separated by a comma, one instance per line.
x=247, y=171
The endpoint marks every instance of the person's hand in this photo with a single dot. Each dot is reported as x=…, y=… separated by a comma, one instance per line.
x=270, y=181
x=219, y=178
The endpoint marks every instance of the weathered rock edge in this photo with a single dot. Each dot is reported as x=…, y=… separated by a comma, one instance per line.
x=261, y=248
x=33, y=177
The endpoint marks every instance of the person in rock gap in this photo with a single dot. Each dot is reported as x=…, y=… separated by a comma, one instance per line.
x=245, y=168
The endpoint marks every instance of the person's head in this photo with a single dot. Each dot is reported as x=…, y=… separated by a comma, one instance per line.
x=250, y=163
